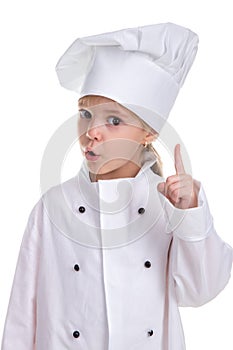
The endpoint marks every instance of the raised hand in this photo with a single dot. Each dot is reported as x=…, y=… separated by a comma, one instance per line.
x=179, y=188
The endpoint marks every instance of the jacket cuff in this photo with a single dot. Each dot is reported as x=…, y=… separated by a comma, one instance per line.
x=193, y=224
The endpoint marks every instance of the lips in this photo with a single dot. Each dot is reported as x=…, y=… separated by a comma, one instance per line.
x=90, y=155
x=90, y=150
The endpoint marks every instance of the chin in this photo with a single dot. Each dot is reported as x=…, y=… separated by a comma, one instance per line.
x=107, y=168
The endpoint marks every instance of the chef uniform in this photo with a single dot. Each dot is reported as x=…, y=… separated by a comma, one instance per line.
x=104, y=265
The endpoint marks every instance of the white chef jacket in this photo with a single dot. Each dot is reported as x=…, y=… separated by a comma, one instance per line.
x=104, y=266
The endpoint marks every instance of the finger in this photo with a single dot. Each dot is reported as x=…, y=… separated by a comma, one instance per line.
x=175, y=178
x=175, y=187
x=179, y=166
x=184, y=179
x=172, y=188
x=161, y=187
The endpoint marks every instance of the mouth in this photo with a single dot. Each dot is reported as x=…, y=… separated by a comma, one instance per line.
x=90, y=155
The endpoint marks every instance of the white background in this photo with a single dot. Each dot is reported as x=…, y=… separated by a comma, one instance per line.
x=33, y=105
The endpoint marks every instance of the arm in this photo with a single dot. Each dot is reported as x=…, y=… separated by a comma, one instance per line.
x=200, y=261
x=20, y=324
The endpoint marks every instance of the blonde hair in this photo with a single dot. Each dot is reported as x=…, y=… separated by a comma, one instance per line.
x=157, y=167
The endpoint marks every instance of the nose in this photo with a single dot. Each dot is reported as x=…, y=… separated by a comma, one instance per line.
x=94, y=130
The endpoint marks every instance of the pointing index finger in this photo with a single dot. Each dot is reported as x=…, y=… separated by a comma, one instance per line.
x=179, y=166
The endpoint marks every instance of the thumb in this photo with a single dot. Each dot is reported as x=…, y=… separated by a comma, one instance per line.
x=161, y=188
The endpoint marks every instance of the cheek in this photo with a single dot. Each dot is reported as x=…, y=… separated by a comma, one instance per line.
x=81, y=130
x=81, y=134
x=123, y=143
x=135, y=134
x=81, y=140
x=121, y=148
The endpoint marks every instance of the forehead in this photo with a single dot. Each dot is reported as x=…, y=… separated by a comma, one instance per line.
x=103, y=103
x=92, y=100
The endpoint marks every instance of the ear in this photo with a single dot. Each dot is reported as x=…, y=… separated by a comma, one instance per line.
x=151, y=137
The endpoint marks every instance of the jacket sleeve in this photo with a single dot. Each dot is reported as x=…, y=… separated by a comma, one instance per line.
x=200, y=262
x=20, y=324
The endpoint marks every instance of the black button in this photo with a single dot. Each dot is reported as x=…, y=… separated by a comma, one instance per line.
x=81, y=209
x=76, y=334
x=141, y=210
x=147, y=264
x=150, y=333
x=76, y=267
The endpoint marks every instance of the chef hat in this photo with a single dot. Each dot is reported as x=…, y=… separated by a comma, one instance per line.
x=141, y=68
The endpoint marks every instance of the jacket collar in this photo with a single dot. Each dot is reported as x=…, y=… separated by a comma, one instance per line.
x=111, y=207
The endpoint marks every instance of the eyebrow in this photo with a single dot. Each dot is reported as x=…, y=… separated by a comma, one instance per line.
x=114, y=111
x=108, y=111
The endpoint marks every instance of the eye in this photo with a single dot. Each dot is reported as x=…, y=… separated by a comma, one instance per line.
x=114, y=120
x=85, y=114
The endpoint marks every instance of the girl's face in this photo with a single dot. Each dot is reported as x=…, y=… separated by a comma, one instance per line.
x=111, y=138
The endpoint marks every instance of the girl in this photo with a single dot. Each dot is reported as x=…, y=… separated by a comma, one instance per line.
x=109, y=255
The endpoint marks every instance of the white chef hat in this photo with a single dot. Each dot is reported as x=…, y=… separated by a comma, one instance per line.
x=141, y=68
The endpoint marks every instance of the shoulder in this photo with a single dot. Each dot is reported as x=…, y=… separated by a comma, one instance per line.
x=53, y=200
x=66, y=188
